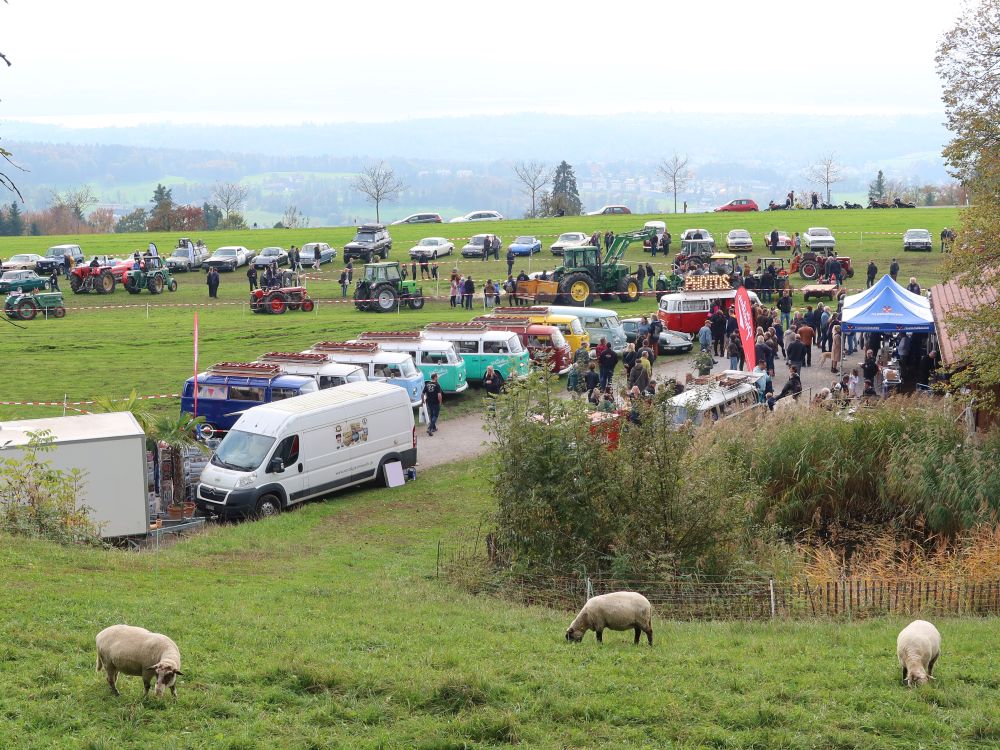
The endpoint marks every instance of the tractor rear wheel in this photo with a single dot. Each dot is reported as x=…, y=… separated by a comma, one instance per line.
x=131, y=284
x=386, y=298
x=416, y=302
x=308, y=305
x=277, y=303
x=76, y=284
x=105, y=283
x=576, y=289
x=154, y=284
x=809, y=270
x=628, y=289
x=59, y=311
x=27, y=309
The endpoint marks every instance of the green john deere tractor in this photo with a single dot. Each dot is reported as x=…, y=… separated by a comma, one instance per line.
x=584, y=274
x=383, y=289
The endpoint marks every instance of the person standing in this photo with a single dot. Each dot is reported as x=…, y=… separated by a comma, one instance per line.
x=434, y=271
x=453, y=290
x=413, y=269
x=806, y=335
x=496, y=247
x=350, y=270
x=433, y=398
x=796, y=245
x=317, y=257
x=653, y=243
x=649, y=276
x=837, y=350
x=774, y=241
x=894, y=269
x=640, y=275
x=510, y=261
x=733, y=350
x=872, y=272
x=718, y=332
x=785, y=307
x=705, y=336
x=252, y=275
x=54, y=280
x=343, y=283
x=607, y=359
x=469, y=290
x=213, y=282
x=665, y=242
x=815, y=200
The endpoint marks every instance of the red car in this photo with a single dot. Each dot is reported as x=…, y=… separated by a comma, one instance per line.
x=740, y=204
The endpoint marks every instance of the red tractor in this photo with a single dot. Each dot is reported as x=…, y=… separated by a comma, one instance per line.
x=278, y=299
x=811, y=265
x=87, y=278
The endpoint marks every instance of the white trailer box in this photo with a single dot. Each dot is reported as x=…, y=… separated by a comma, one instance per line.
x=110, y=449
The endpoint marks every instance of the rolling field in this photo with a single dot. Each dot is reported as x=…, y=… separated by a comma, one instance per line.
x=145, y=342
x=325, y=628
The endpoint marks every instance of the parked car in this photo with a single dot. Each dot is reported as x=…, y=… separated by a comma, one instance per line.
x=432, y=247
x=54, y=259
x=740, y=204
x=326, y=253
x=819, y=238
x=739, y=239
x=420, y=219
x=270, y=255
x=228, y=258
x=660, y=227
x=918, y=239
x=23, y=279
x=474, y=247
x=187, y=256
x=525, y=245
x=370, y=241
x=785, y=241
x=670, y=341
x=697, y=242
x=610, y=211
x=479, y=216
x=569, y=239
x=21, y=261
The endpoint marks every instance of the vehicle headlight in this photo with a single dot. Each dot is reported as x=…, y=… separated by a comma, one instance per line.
x=248, y=480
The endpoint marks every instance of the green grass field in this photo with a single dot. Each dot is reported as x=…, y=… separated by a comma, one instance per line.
x=93, y=351
x=325, y=628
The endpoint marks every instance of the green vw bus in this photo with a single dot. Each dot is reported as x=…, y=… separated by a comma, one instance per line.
x=431, y=355
x=481, y=347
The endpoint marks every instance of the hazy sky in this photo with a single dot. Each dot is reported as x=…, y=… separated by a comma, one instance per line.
x=215, y=61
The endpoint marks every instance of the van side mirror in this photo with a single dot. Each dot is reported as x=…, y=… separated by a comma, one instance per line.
x=276, y=466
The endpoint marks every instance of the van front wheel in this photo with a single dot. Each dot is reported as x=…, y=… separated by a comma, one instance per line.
x=267, y=506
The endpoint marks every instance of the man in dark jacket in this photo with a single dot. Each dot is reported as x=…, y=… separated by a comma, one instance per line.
x=774, y=240
x=469, y=289
x=213, y=282
x=252, y=275
x=793, y=386
x=894, y=269
x=718, y=333
x=607, y=360
x=796, y=353
x=510, y=261
x=653, y=244
x=785, y=308
x=872, y=273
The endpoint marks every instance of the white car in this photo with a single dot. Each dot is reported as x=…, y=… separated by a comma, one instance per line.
x=739, y=239
x=697, y=234
x=21, y=262
x=432, y=247
x=569, y=239
x=479, y=216
x=228, y=258
x=819, y=238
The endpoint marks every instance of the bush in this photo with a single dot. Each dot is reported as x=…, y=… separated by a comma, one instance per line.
x=38, y=500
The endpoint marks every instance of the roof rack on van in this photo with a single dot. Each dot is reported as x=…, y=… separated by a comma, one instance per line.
x=246, y=369
x=511, y=321
x=359, y=347
x=298, y=357
x=389, y=336
x=532, y=310
x=456, y=327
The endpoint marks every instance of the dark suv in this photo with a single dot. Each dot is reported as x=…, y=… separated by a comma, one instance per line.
x=55, y=259
x=371, y=240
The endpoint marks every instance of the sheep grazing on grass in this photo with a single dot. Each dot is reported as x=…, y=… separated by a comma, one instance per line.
x=918, y=646
x=620, y=610
x=136, y=651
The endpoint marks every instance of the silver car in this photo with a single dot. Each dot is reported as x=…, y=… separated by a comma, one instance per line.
x=569, y=239
x=739, y=239
x=431, y=247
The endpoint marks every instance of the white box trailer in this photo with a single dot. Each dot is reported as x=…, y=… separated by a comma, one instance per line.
x=110, y=449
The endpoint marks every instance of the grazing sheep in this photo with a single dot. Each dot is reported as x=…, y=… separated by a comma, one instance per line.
x=620, y=610
x=136, y=651
x=918, y=646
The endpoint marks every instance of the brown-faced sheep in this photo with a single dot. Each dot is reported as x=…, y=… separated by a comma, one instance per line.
x=620, y=610
x=136, y=651
x=918, y=646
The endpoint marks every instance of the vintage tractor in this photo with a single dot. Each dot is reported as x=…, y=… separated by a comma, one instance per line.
x=811, y=265
x=584, y=274
x=22, y=306
x=278, y=299
x=382, y=289
x=88, y=278
x=151, y=275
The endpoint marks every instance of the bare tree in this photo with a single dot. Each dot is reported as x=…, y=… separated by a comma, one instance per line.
x=378, y=183
x=675, y=171
x=534, y=176
x=826, y=172
x=5, y=180
x=292, y=218
x=229, y=196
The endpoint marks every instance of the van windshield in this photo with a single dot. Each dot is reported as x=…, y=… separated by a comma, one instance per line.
x=242, y=451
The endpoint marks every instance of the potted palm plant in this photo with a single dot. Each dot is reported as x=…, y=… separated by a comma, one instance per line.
x=173, y=434
x=703, y=362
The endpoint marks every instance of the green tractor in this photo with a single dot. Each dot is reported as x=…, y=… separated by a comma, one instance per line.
x=584, y=274
x=383, y=289
x=153, y=275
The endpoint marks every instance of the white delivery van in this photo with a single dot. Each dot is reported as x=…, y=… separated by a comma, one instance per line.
x=326, y=373
x=288, y=451
x=110, y=449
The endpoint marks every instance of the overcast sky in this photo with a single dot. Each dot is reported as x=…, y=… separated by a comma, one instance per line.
x=215, y=61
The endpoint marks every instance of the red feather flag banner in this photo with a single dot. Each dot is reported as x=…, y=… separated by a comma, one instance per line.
x=744, y=318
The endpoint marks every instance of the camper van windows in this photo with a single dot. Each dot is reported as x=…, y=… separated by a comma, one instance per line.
x=694, y=305
x=438, y=357
x=249, y=393
x=494, y=347
x=468, y=347
x=279, y=394
x=211, y=391
x=242, y=451
x=329, y=381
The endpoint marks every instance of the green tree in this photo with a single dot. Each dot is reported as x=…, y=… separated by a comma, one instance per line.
x=161, y=217
x=134, y=221
x=4, y=226
x=565, y=196
x=213, y=216
x=15, y=221
x=968, y=62
x=876, y=188
x=234, y=220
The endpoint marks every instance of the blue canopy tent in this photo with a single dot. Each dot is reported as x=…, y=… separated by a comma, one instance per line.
x=887, y=308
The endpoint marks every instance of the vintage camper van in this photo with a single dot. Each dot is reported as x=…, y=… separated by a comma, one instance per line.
x=392, y=367
x=481, y=346
x=431, y=356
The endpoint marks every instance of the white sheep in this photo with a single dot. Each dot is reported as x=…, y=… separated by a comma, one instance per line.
x=620, y=610
x=136, y=651
x=918, y=646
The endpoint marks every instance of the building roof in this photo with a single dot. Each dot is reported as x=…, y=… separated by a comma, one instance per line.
x=949, y=298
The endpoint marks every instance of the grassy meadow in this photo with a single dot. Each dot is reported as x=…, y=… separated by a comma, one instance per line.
x=326, y=628
x=93, y=351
